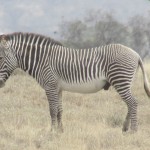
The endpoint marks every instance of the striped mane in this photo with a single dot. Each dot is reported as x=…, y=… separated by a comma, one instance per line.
x=26, y=35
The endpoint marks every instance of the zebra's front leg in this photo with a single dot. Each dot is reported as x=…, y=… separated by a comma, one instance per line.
x=59, y=115
x=53, y=115
x=55, y=106
x=53, y=100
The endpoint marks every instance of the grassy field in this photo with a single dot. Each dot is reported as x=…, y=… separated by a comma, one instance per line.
x=91, y=122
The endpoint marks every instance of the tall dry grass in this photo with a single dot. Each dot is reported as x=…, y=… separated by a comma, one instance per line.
x=91, y=122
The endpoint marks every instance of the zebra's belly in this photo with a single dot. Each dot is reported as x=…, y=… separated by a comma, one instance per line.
x=83, y=87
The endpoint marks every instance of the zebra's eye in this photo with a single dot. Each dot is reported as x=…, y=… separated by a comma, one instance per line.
x=3, y=43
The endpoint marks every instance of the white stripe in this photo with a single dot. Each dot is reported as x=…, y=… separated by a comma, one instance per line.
x=29, y=61
x=36, y=47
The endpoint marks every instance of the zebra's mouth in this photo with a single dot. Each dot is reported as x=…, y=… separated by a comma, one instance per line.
x=2, y=83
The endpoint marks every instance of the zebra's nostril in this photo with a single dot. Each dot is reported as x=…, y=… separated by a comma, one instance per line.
x=2, y=83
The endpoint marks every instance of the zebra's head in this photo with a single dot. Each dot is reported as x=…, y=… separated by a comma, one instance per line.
x=8, y=60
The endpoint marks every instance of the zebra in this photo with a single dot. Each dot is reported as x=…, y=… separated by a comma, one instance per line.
x=58, y=68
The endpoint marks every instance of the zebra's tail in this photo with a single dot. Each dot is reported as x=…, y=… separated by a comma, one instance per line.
x=146, y=83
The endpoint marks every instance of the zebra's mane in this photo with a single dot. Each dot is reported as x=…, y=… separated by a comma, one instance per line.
x=26, y=34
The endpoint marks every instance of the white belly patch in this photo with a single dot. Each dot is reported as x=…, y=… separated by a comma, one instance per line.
x=84, y=87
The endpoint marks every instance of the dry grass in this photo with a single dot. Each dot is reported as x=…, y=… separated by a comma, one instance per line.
x=91, y=122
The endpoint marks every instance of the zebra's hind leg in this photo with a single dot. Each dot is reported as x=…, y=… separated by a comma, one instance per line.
x=126, y=123
x=132, y=110
x=121, y=76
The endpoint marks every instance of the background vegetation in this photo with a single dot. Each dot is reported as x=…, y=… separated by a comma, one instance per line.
x=101, y=28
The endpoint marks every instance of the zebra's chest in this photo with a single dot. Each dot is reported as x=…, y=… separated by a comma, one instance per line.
x=91, y=86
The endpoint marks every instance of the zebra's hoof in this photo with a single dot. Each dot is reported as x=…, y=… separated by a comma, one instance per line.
x=133, y=130
x=60, y=130
x=125, y=129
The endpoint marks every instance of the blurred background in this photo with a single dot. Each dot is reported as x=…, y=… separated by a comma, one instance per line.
x=81, y=24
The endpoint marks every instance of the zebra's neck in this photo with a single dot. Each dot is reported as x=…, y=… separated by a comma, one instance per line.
x=31, y=50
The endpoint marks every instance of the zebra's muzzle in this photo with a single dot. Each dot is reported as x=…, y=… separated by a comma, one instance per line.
x=2, y=83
